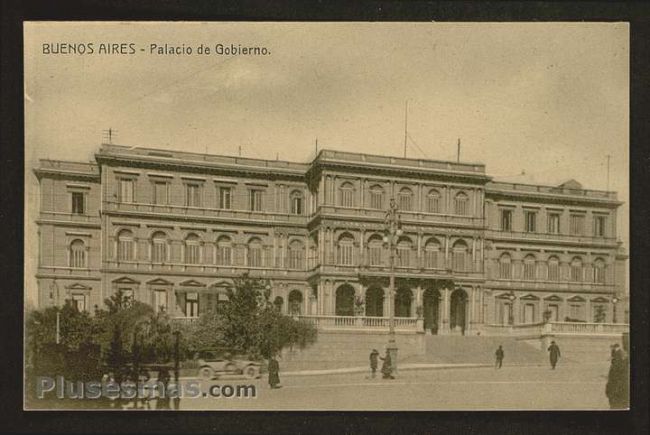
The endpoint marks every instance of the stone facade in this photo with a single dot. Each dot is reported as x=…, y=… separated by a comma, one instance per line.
x=173, y=228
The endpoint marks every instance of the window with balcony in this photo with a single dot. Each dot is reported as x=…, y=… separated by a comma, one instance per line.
x=576, y=270
x=296, y=255
x=530, y=267
x=297, y=202
x=554, y=223
x=506, y=220
x=161, y=192
x=405, y=199
x=193, y=195
x=345, y=250
x=459, y=258
x=78, y=203
x=192, y=249
x=125, y=246
x=159, y=247
x=377, y=197
x=126, y=192
x=553, y=269
x=404, y=250
x=254, y=252
x=531, y=221
x=255, y=199
x=78, y=254
x=346, y=195
x=225, y=198
x=600, y=226
x=577, y=224
x=79, y=301
x=375, y=249
x=461, y=204
x=224, y=251
x=505, y=266
x=599, y=271
x=433, y=201
x=432, y=254
x=191, y=304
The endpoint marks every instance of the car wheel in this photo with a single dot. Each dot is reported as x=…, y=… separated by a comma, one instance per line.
x=206, y=373
x=252, y=372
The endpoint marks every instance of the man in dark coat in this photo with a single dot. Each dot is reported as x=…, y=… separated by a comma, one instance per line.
x=373, y=361
x=387, y=367
x=274, y=370
x=618, y=380
x=554, y=354
x=499, y=355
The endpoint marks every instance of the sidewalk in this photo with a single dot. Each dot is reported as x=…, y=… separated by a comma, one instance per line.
x=364, y=369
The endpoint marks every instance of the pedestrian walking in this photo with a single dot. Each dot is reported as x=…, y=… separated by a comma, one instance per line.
x=387, y=367
x=617, y=389
x=499, y=355
x=374, y=356
x=554, y=354
x=274, y=373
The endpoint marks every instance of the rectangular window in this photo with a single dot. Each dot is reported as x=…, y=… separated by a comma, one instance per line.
x=79, y=301
x=159, y=251
x=160, y=193
x=599, y=226
x=375, y=255
x=224, y=255
x=255, y=257
x=458, y=261
x=553, y=271
x=531, y=221
x=345, y=254
x=576, y=312
x=403, y=257
x=127, y=187
x=433, y=204
x=577, y=224
x=192, y=195
x=376, y=200
x=192, y=253
x=160, y=301
x=295, y=259
x=554, y=223
x=555, y=312
x=127, y=295
x=431, y=259
x=529, y=270
x=192, y=304
x=78, y=203
x=347, y=198
x=405, y=202
x=255, y=196
x=296, y=205
x=506, y=220
x=225, y=197
x=529, y=313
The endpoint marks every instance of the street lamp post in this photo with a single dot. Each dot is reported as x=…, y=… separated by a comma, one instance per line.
x=614, y=302
x=511, y=313
x=392, y=231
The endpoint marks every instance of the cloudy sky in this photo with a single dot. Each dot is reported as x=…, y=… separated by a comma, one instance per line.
x=546, y=100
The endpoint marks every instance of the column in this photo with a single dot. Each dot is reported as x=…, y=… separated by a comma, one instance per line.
x=419, y=252
x=361, y=261
x=588, y=309
x=470, y=320
x=362, y=204
x=445, y=310
x=446, y=251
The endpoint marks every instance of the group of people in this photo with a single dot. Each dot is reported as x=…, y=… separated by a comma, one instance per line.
x=553, y=354
x=386, y=366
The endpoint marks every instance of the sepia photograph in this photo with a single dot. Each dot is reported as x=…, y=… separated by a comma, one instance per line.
x=326, y=216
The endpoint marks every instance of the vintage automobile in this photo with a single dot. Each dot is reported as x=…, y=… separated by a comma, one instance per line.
x=213, y=364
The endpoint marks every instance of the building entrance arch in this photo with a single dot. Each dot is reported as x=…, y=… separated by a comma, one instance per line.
x=431, y=308
x=345, y=300
x=458, y=311
x=375, y=302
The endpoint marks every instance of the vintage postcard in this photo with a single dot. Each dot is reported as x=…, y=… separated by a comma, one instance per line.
x=326, y=216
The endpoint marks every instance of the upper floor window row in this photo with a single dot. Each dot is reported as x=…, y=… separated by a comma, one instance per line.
x=552, y=269
x=554, y=222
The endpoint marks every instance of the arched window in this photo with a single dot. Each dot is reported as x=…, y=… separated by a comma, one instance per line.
x=375, y=249
x=553, y=269
x=505, y=266
x=405, y=199
x=377, y=197
x=530, y=267
x=461, y=204
x=297, y=202
x=192, y=249
x=459, y=259
x=432, y=254
x=278, y=302
x=125, y=245
x=224, y=251
x=296, y=255
x=599, y=271
x=404, y=252
x=346, y=195
x=158, y=247
x=295, y=302
x=346, y=249
x=576, y=269
x=78, y=254
x=433, y=201
x=255, y=252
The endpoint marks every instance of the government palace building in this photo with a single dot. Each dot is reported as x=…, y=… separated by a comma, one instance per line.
x=173, y=228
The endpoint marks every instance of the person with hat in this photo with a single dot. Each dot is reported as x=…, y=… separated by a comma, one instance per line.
x=554, y=354
x=617, y=389
x=387, y=366
x=374, y=355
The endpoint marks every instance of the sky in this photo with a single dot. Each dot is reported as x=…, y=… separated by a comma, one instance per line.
x=536, y=102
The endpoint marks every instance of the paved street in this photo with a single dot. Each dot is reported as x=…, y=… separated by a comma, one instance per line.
x=533, y=387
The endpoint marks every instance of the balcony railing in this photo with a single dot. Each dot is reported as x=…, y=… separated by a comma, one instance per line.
x=530, y=236
x=406, y=216
x=360, y=322
x=553, y=328
x=70, y=217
